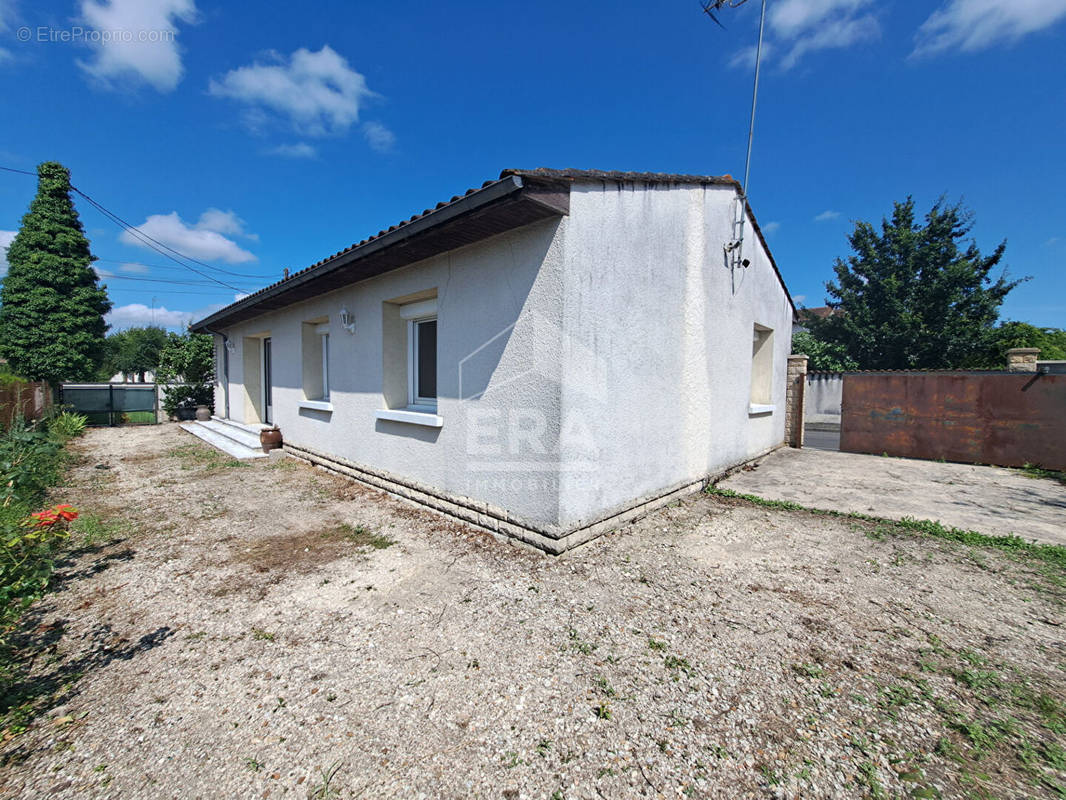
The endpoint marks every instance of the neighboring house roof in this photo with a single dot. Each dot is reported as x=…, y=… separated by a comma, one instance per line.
x=517, y=198
x=818, y=311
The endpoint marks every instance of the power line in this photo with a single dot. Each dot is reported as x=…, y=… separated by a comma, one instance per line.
x=109, y=276
x=172, y=267
x=148, y=241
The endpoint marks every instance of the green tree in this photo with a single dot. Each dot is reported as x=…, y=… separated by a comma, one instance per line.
x=824, y=356
x=1050, y=341
x=52, y=315
x=188, y=361
x=913, y=295
x=135, y=351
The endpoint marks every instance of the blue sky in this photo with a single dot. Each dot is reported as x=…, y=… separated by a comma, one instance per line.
x=259, y=136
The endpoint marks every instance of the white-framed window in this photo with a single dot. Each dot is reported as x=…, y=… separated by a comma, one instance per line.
x=315, y=358
x=421, y=321
x=422, y=362
x=323, y=337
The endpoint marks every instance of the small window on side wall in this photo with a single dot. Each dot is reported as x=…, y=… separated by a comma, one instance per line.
x=423, y=342
x=409, y=357
x=762, y=369
x=315, y=352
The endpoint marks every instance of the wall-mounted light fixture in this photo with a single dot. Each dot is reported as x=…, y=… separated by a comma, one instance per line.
x=231, y=345
x=347, y=320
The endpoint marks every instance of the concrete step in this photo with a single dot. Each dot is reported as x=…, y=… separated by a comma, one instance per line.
x=250, y=427
x=240, y=435
x=225, y=439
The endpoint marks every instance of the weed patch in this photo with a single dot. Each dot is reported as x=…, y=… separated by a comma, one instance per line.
x=1052, y=555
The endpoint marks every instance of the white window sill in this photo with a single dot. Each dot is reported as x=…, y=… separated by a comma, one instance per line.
x=758, y=409
x=315, y=405
x=411, y=416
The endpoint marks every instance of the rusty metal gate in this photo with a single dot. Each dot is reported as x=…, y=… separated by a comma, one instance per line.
x=1008, y=419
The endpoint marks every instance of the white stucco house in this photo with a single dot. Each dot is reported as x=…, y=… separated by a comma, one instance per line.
x=547, y=356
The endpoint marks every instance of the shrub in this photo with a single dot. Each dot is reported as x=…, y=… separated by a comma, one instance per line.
x=187, y=398
x=27, y=550
x=29, y=463
x=67, y=425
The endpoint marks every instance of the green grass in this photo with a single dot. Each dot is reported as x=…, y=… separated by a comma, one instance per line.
x=196, y=456
x=91, y=529
x=364, y=537
x=1049, y=554
x=1033, y=471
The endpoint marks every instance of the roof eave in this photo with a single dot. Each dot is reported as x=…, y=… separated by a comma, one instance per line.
x=467, y=204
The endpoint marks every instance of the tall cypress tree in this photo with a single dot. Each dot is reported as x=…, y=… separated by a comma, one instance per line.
x=52, y=314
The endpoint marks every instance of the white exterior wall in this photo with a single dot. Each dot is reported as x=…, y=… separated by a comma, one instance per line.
x=602, y=358
x=658, y=345
x=482, y=290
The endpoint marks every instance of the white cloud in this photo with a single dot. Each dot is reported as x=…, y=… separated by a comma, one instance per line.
x=138, y=314
x=379, y=137
x=746, y=57
x=838, y=33
x=137, y=40
x=6, y=237
x=792, y=18
x=799, y=299
x=318, y=92
x=298, y=150
x=970, y=25
x=225, y=222
x=205, y=240
x=134, y=269
x=240, y=296
x=1054, y=240
x=826, y=216
x=771, y=227
x=799, y=27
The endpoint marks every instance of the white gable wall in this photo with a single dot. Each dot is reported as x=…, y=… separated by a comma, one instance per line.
x=658, y=344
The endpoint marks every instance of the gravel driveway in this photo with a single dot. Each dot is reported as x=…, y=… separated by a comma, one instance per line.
x=271, y=630
x=990, y=500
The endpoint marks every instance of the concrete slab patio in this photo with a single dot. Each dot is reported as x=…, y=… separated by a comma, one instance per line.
x=990, y=500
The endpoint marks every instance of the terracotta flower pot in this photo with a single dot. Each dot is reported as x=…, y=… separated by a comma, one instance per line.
x=270, y=439
x=203, y=413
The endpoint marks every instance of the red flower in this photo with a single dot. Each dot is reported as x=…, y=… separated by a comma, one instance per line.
x=51, y=516
x=67, y=512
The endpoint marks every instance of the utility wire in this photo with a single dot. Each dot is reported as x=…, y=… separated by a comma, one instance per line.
x=172, y=267
x=147, y=240
x=152, y=243
x=109, y=275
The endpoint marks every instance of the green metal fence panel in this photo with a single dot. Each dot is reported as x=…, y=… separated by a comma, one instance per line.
x=112, y=403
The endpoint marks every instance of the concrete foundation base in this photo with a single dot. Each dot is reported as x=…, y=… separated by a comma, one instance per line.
x=497, y=521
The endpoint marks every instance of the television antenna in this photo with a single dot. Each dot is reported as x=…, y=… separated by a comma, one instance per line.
x=735, y=249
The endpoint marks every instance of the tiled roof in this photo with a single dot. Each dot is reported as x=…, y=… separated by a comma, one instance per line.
x=546, y=173
x=541, y=175
x=378, y=235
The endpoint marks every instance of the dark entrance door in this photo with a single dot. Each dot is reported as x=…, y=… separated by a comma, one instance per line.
x=268, y=403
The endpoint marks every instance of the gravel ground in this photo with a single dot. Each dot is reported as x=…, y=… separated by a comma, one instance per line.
x=256, y=628
x=990, y=500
